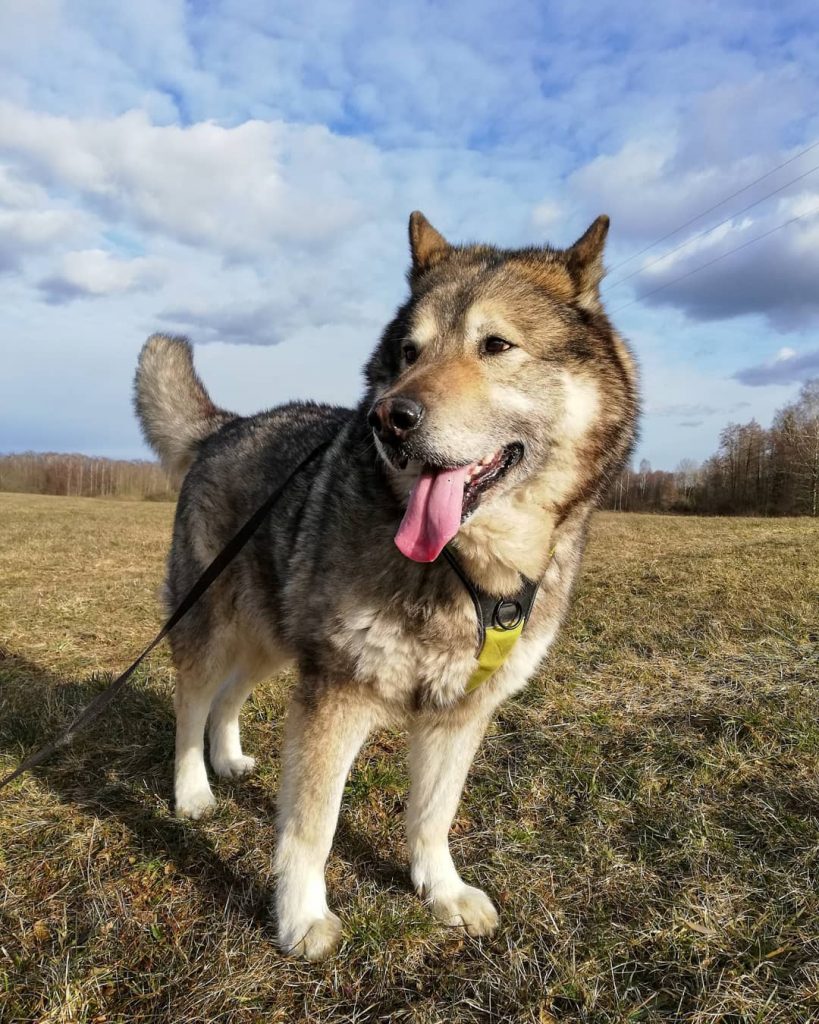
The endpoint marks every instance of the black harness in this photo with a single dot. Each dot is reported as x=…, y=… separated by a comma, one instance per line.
x=500, y=621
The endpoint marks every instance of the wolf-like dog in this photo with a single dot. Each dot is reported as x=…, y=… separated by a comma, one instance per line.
x=498, y=404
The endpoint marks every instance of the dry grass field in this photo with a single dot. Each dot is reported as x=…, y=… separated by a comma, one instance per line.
x=646, y=815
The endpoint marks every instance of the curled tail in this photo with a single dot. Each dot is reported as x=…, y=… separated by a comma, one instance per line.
x=173, y=407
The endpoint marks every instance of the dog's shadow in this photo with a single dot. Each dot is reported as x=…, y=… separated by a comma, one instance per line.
x=121, y=768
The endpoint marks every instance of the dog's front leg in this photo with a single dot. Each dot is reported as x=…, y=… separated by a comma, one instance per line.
x=441, y=751
x=323, y=733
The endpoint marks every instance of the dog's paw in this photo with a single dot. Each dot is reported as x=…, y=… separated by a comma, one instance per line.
x=469, y=908
x=233, y=767
x=314, y=940
x=195, y=804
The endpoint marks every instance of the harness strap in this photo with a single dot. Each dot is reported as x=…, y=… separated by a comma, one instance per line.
x=500, y=621
x=505, y=613
x=211, y=573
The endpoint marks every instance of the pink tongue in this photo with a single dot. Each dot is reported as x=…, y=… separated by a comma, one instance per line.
x=433, y=514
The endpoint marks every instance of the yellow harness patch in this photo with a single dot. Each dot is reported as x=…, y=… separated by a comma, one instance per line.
x=500, y=621
x=497, y=646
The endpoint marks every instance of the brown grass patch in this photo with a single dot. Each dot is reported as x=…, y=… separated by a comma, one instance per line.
x=646, y=814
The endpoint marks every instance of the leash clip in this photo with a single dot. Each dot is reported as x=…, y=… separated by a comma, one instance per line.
x=507, y=614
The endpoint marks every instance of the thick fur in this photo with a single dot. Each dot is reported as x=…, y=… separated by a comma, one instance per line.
x=379, y=639
x=172, y=403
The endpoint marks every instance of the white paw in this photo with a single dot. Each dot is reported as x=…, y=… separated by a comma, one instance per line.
x=194, y=804
x=233, y=767
x=469, y=908
x=314, y=939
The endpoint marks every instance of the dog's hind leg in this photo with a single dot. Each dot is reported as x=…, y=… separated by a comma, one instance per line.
x=441, y=751
x=226, y=755
x=195, y=689
x=322, y=736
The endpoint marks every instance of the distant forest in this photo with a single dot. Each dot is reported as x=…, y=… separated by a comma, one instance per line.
x=755, y=472
x=760, y=472
x=84, y=476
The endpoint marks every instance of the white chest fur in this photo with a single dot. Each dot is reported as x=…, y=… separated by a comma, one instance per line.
x=436, y=659
x=397, y=659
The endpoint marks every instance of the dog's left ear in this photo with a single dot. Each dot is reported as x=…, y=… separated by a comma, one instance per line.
x=427, y=245
x=584, y=260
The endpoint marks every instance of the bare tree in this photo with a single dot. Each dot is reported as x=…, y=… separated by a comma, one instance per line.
x=798, y=425
x=686, y=477
x=753, y=472
x=84, y=476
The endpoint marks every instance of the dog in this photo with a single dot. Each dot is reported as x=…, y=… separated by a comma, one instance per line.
x=498, y=405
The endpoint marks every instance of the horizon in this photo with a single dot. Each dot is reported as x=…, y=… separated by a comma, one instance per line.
x=147, y=456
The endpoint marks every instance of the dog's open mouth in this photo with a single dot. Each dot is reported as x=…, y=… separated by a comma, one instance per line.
x=444, y=496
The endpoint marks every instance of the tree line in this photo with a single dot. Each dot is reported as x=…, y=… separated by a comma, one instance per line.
x=85, y=476
x=753, y=472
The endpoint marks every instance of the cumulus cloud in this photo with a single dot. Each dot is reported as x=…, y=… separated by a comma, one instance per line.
x=658, y=179
x=787, y=367
x=30, y=223
x=674, y=233
x=23, y=232
x=93, y=273
x=238, y=189
x=317, y=219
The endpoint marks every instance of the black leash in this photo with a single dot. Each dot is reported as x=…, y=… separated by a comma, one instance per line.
x=213, y=571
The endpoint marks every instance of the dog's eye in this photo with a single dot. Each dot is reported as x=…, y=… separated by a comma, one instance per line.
x=493, y=345
x=410, y=354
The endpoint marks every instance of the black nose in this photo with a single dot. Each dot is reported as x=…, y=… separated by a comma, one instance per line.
x=394, y=418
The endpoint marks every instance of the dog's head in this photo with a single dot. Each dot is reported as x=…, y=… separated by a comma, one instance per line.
x=501, y=367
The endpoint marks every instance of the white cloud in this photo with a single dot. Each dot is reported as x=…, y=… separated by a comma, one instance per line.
x=239, y=190
x=27, y=231
x=30, y=223
x=549, y=217
x=318, y=220
x=93, y=273
x=17, y=194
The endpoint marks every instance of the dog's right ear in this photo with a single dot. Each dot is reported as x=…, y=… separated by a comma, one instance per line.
x=585, y=262
x=427, y=245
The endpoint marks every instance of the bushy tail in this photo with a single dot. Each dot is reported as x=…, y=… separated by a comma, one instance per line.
x=174, y=409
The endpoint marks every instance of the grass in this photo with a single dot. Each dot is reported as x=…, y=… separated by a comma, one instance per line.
x=646, y=814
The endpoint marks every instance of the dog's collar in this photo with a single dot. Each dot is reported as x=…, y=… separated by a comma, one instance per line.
x=501, y=620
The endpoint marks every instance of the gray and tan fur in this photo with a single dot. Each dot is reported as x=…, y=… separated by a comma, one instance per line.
x=377, y=638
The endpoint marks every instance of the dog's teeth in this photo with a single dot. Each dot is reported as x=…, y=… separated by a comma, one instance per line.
x=478, y=468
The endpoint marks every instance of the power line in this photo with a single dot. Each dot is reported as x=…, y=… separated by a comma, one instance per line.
x=706, y=231
x=716, y=259
x=716, y=206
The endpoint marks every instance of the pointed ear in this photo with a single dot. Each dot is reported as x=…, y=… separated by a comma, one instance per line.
x=585, y=262
x=427, y=245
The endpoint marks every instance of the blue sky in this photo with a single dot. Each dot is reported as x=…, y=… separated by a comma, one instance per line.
x=242, y=172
